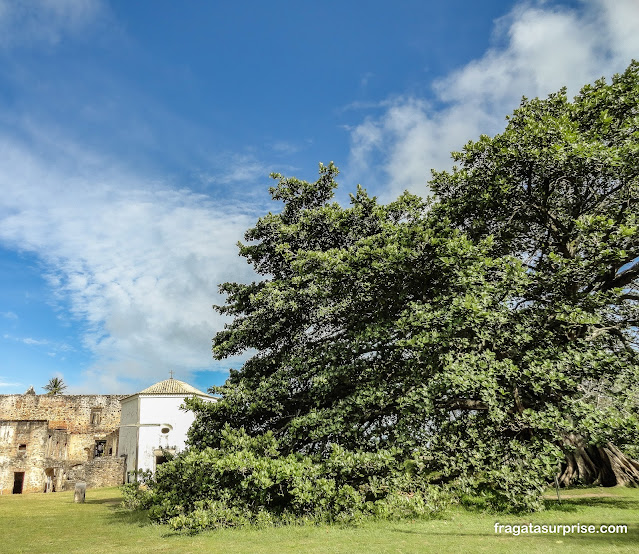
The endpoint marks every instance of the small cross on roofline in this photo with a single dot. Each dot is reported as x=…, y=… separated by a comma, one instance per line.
x=171, y=373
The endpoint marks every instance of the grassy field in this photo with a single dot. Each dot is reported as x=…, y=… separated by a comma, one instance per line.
x=53, y=523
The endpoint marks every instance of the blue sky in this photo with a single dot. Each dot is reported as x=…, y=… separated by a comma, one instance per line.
x=136, y=139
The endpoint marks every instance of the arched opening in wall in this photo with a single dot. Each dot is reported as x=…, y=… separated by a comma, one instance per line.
x=49, y=485
x=18, y=482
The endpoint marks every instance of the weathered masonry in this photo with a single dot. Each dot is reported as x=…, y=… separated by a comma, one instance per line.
x=48, y=442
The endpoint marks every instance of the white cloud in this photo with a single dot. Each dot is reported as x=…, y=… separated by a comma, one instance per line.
x=285, y=148
x=233, y=169
x=34, y=342
x=44, y=21
x=9, y=315
x=242, y=168
x=30, y=341
x=139, y=262
x=541, y=48
x=8, y=385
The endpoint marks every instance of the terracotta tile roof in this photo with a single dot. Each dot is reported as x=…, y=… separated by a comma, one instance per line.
x=172, y=386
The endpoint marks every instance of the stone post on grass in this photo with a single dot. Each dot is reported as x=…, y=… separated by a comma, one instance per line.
x=80, y=491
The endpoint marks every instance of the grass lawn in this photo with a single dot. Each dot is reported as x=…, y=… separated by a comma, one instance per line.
x=53, y=523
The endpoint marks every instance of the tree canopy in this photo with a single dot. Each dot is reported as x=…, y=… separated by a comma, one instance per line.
x=482, y=338
x=559, y=190
x=55, y=386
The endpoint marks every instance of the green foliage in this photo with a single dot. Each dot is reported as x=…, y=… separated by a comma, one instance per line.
x=463, y=340
x=136, y=494
x=248, y=482
x=559, y=189
x=55, y=386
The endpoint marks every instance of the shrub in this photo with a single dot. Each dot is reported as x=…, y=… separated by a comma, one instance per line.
x=136, y=494
x=247, y=482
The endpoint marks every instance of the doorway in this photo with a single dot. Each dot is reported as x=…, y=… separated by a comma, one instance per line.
x=50, y=483
x=18, y=482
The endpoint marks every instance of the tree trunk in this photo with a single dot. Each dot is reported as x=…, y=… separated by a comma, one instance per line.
x=597, y=465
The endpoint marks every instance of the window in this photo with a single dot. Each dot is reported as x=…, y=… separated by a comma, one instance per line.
x=96, y=416
x=22, y=449
x=98, y=450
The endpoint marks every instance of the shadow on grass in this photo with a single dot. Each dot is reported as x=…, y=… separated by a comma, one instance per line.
x=140, y=518
x=119, y=515
x=137, y=518
x=115, y=501
x=577, y=504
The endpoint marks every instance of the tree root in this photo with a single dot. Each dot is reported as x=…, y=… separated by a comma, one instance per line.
x=596, y=465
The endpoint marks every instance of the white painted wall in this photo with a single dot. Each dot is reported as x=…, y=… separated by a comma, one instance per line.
x=128, y=442
x=155, y=413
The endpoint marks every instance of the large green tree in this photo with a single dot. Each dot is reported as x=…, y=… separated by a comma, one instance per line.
x=334, y=321
x=559, y=189
x=379, y=327
x=486, y=336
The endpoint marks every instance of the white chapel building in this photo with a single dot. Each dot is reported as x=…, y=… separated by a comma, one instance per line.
x=152, y=423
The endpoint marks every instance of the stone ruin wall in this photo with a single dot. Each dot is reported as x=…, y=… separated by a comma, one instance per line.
x=62, y=411
x=59, y=433
x=32, y=434
x=100, y=472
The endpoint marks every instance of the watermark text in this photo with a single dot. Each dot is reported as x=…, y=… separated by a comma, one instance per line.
x=558, y=529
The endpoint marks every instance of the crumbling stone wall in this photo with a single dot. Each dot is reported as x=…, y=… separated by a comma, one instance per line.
x=81, y=446
x=73, y=413
x=100, y=472
x=49, y=439
x=22, y=446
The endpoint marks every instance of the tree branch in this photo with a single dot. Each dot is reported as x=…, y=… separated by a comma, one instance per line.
x=624, y=278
